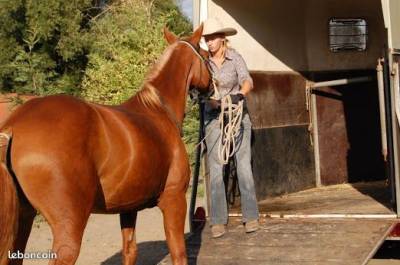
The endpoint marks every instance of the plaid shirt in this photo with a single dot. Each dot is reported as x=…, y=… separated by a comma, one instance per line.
x=232, y=73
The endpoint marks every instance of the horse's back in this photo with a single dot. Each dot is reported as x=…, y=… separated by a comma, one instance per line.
x=49, y=112
x=50, y=125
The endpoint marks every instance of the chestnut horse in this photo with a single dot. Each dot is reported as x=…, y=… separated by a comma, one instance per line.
x=68, y=158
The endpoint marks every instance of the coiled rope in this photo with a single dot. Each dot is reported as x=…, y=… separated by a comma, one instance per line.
x=230, y=120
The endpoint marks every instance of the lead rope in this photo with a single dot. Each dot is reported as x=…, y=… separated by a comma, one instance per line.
x=230, y=120
x=229, y=127
x=214, y=84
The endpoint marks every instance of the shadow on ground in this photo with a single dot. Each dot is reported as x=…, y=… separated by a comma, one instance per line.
x=153, y=252
x=149, y=253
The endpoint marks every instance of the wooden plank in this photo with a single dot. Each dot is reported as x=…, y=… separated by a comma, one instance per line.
x=295, y=241
x=359, y=198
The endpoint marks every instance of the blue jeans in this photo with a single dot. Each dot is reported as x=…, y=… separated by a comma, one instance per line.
x=219, y=209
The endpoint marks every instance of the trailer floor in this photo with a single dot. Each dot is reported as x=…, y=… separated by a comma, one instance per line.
x=290, y=241
x=306, y=240
x=369, y=198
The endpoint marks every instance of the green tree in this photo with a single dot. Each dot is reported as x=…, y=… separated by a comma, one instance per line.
x=42, y=45
x=126, y=40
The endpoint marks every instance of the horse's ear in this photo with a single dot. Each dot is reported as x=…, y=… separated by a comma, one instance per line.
x=196, y=36
x=169, y=36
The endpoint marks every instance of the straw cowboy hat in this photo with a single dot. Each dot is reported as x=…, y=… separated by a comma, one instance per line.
x=214, y=26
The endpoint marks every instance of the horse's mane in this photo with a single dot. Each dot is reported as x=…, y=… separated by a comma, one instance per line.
x=149, y=95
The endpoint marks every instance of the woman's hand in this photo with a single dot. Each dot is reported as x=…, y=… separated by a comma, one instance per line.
x=215, y=104
x=236, y=98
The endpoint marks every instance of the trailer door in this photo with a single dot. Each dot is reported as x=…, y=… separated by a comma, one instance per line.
x=391, y=13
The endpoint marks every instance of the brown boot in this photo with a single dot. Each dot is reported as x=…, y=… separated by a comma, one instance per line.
x=218, y=230
x=252, y=226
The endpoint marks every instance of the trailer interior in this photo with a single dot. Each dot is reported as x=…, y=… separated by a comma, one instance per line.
x=317, y=145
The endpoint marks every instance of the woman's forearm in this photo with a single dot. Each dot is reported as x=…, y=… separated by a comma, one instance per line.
x=246, y=87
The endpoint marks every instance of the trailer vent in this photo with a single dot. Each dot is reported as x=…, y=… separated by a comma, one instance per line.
x=348, y=34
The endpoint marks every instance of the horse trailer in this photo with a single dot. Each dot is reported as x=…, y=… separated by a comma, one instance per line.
x=325, y=111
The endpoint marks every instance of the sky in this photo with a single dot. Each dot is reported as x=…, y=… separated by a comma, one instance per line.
x=186, y=7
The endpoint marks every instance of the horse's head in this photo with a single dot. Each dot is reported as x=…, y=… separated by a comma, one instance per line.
x=190, y=51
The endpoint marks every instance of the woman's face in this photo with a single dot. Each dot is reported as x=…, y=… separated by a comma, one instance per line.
x=214, y=42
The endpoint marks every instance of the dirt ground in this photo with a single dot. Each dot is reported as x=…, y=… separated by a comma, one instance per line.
x=102, y=241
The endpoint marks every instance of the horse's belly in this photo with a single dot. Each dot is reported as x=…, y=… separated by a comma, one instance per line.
x=132, y=161
x=130, y=189
x=132, y=201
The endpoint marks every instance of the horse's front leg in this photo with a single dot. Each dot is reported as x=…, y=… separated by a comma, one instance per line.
x=129, y=249
x=173, y=205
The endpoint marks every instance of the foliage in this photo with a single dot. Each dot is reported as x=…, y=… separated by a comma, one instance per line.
x=190, y=130
x=42, y=45
x=126, y=40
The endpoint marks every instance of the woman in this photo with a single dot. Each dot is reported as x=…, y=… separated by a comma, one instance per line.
x=233, y=79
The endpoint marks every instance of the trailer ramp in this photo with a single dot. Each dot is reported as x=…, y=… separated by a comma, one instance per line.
x=290, y=241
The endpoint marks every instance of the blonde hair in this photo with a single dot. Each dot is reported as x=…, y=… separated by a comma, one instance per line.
x=225, y=46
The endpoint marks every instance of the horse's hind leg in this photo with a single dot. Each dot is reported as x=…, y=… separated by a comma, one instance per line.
x=66, y=204
x=129, y=248
x=66, y=242
x=68, y=221
x=26, y=216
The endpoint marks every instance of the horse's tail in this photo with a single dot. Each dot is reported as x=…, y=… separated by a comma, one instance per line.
x=8, y=201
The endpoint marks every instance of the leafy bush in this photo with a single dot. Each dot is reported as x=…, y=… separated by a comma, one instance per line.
x=126, y=40
x=42, y=45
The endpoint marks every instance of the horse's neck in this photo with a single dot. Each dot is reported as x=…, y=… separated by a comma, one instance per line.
x=171, y=83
